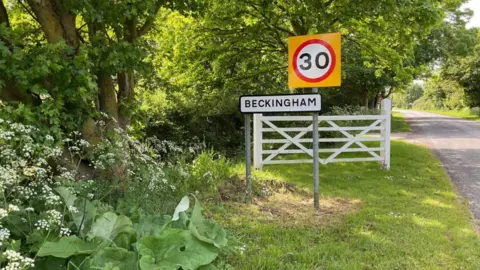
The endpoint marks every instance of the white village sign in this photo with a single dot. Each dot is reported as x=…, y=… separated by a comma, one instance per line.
x=280, y=103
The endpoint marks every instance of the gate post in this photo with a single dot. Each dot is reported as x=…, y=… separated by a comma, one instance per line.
x=386, y=108
x=257, y=141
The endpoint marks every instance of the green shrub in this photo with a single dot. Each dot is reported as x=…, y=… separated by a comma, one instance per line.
x=208, y=169
x=425, y=103
x=51, y=220
x=114, y=241
x=475, y=110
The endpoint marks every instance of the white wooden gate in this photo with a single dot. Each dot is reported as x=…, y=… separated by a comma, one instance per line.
x=269, y=124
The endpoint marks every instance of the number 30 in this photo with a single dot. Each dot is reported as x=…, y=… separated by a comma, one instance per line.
x=307, y=59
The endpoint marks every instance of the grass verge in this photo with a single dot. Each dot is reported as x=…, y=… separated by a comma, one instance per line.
x=407, y=218
x=399, y=124
x=465, y=114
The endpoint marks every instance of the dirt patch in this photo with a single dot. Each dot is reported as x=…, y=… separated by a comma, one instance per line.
x=281, y=203
x=296, y=210
x=234, y=189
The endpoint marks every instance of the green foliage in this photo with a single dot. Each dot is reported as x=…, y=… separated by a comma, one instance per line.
x=454, y=83
x=68, y=103
x=175, y=245
x=204, y=61
x=177, y=248
x=49, y=216
x=115, y=258
x=409, y=96
x=440, y=93
x=466, y=71
x=66, y=247
x=208, y=170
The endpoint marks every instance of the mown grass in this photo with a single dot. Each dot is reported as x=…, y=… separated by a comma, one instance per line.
x=407, y=218
x=464, y=114
x=399, y=124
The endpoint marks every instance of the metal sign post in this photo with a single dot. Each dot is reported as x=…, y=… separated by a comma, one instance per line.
x=247, y=154
x=316, y=199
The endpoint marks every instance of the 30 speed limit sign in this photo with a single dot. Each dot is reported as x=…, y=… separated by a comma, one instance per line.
x=314, y=61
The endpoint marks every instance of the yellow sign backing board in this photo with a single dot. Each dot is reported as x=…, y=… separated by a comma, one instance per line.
x=314, y=60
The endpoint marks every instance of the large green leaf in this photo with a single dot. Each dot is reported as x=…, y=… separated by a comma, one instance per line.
x=66, y=195
x=150, y=224
x=206, y=230
x=110, y=225
x=66, y=247
x=84, y=217
x=49, y=262
x=173, y=249
x=115, y=258
x=86, y=211
x=208, y=267
x=210, y=232
x=181, y=207
x=36, y=239
x=125, y=239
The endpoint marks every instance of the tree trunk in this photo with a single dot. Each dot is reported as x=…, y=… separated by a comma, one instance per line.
x=56, y=22
x=366, y=98
x=107, y=96
x=126, y=82
x=126, y=86
x=4, y=15
x=11, y=92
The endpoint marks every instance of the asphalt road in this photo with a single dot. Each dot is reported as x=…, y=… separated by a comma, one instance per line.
x=457, y=144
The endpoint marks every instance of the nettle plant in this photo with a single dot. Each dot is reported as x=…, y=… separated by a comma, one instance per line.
x=49, y=220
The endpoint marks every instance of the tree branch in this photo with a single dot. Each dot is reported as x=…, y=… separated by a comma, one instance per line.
x=28, y=10
x=328, y=3
x=149, y=22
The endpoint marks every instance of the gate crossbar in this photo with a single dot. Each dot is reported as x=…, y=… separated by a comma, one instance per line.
x=348, y=135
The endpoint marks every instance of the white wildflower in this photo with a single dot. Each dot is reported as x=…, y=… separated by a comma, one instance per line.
x=17, y=261
x=83, y=143
x=4, y=234
x=65, y=232
x=73, y=209
x=29, y=171
x=13, y=208
x=3, y=213
x=55, y=217
x=42, y=224
x=52, y=199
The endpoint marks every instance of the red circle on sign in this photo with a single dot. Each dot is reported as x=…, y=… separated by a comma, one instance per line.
x=300, y=48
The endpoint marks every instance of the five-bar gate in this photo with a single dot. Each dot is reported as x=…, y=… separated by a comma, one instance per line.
x=351, y=135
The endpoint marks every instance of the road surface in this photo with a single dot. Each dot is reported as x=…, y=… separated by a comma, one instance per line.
x=457, y=143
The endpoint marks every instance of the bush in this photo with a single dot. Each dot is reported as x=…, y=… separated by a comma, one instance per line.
x=51, y=220
x=475, y=110
x=209, y=169
x=424, y=103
